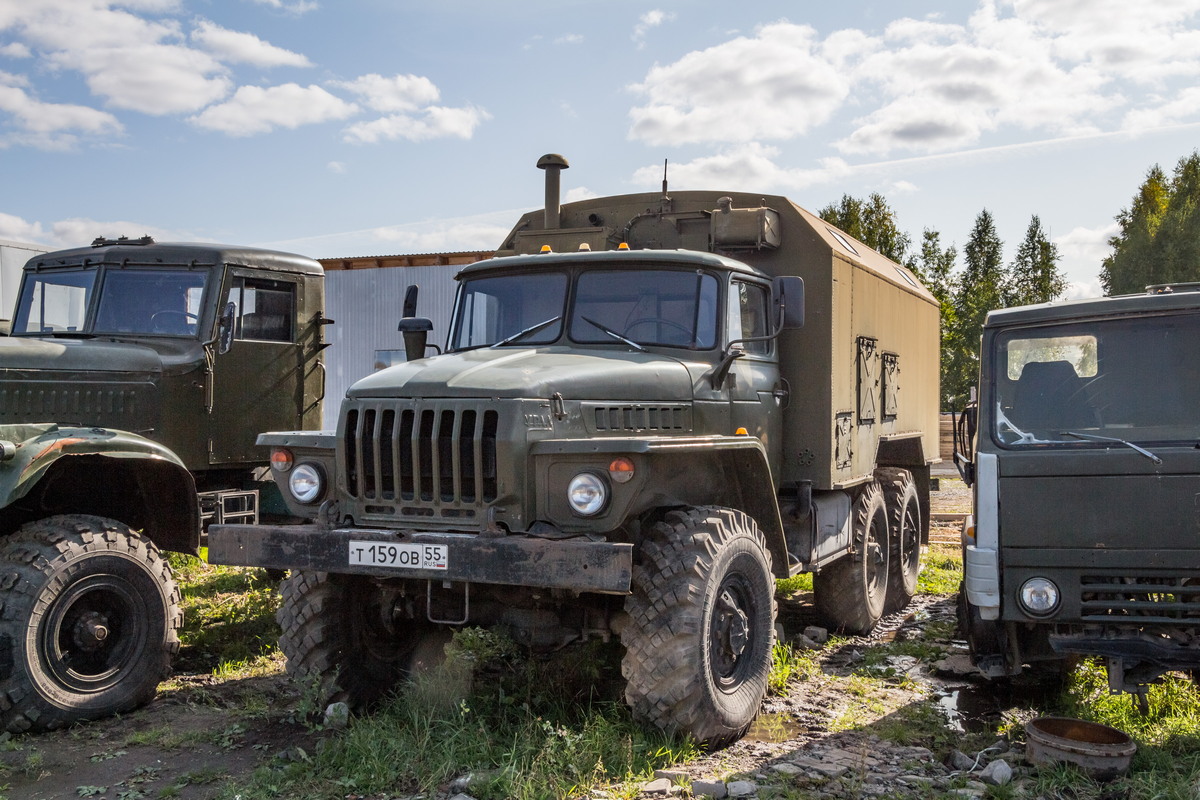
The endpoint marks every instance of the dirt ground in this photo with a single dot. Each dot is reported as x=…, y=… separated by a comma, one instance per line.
x=201, y=730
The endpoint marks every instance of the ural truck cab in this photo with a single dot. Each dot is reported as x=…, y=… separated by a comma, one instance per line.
x=648, y=408
x=1086, y=473
x=132, y=387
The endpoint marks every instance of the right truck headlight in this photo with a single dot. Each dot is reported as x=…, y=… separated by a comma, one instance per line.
x=306, y=482
x=1039, y=596
x=587, y=494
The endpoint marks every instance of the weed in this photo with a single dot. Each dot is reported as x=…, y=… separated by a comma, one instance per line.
x=941, y=570
x=789, y=664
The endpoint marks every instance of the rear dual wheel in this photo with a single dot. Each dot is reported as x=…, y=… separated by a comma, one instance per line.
x=851, y=592
x=904, y=521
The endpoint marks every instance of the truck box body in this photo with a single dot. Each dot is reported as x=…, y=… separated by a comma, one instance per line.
x=862, y=372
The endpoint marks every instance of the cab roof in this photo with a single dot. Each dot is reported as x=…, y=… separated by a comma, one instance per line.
x=139, y=252
x=610, y=258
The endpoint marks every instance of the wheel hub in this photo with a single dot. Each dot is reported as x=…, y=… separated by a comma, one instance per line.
x=91, y=631
x=733, y=626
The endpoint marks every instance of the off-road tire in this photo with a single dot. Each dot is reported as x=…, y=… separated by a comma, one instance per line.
x=701, y=625
x=850, y=593
x=338, y=636
x=89, y=622
x=904, y=532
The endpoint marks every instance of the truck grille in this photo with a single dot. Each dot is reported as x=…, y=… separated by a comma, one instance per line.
x=1146, y=599
x=641, y=418
x=421, y=458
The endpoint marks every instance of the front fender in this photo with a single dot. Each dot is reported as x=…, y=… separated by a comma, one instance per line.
x=82, y=464
x=669, y=472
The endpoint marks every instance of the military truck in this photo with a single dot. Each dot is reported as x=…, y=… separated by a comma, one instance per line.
x=630, y=432
x=1082, y=453
x=132, y=387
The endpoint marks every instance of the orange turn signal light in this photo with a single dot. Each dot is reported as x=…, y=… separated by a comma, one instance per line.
x=620, y=469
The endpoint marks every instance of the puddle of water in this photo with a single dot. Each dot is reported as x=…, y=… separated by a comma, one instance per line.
x=968, y=709
x=776, y=727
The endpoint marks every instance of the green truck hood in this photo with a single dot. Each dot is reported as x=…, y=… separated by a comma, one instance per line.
x=534, y=372
x=84, y=356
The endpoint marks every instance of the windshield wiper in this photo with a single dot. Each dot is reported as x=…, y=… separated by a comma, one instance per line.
x=1094, y=438
x=527, y=331
x=614, y=334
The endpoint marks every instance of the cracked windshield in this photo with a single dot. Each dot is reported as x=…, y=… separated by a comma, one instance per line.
x=1115, y=381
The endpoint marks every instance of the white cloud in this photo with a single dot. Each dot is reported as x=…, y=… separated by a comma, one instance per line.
x=296, y=7
x=50, y=126
x=80, y=231
x=254, y=109
x=399, y=93
x=243, y=48
x=336, y=167
x=442, y=237
x=749, y=167
x=1058, y=68
x=776, y=85
x=1087, y=245
x=651, y=19
x=19, y=230
x=15, y=50
x=435, y=122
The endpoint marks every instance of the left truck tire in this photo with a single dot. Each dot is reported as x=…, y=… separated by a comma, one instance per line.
x=89, y=622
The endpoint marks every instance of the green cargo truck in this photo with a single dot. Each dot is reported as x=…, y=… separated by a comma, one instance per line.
x=648, y=407
x=1082, y=452
x=135, y=379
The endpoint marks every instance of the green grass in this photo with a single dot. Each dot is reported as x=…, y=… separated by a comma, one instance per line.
x=229, y=617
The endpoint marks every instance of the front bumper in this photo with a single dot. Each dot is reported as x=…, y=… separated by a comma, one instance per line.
x=576, y=564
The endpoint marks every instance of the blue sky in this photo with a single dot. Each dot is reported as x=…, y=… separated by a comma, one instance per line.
x=387, y=126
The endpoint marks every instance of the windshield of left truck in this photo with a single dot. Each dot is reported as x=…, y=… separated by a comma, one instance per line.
x=141, y=301
x=1099, y=382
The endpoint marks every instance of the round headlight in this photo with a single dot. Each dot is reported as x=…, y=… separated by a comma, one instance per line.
x=587, y=493
x=306, y=482
x=1039, y=596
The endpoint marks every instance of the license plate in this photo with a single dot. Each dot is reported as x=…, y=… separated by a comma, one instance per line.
x=405, y=556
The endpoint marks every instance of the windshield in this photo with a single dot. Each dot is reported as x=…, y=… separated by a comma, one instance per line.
x=146, y=301
x=1099, y=382
x=674, y=308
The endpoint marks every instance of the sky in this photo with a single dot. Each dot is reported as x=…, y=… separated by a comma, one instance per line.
x=376, y=127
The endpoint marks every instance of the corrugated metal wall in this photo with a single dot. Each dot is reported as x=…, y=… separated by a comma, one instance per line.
x=365, y=305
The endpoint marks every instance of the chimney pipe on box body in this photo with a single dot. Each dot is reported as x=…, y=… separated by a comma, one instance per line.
x=554, y=164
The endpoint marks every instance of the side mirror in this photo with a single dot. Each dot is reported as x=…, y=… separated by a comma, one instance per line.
x=415, y=329
x=787, y=292
x=225, y=328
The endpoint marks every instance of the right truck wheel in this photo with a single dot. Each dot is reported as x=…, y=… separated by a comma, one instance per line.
x=698, y=644
x=339, y=632
x=850, y=593
x=904, y=523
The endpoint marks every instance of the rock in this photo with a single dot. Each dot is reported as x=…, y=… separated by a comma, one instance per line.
x=461, y=796
x=787, y=768
x=714, y=789
x=672, y=775
x=658, y=786
x=337, y=716
x=740, y=788
x=956, y=666
x=802, y=642
x=997, y=773
x=816, y=634
x=961, y=761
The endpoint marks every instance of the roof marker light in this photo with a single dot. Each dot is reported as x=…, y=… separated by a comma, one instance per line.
x=584, y=246
x=741, y=432
x=623, y=246
x=546, y=249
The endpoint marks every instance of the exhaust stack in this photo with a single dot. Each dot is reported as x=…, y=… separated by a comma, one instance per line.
x=554, y=164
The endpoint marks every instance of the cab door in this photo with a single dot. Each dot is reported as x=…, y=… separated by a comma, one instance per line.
x=257, y=383
x=755, y=390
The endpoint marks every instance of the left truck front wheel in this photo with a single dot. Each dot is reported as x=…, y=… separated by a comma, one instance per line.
x=89, y=623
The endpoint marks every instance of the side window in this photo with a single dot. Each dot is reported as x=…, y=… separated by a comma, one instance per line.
x=749, y=316
x=264, y=310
